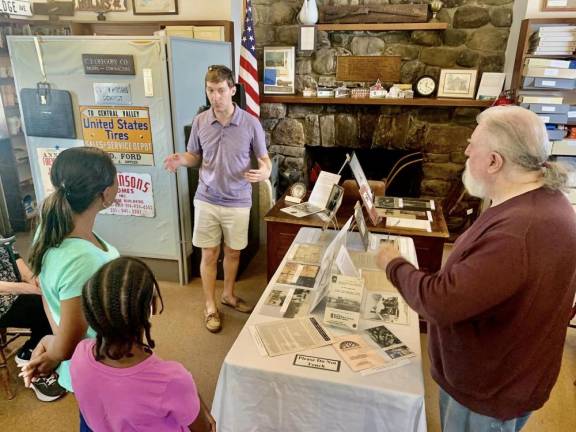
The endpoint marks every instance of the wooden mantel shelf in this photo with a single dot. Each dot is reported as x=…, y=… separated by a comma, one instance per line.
x=383, y=27
x=448, y=102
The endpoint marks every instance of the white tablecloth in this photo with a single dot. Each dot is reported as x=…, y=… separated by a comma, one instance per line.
x=270, y=394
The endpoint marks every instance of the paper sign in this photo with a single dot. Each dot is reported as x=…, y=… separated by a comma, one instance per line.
x=112, y=94
x=317, y=362
x=134, y=196
x=124, y=132
x=15, y=7
x=46, y=157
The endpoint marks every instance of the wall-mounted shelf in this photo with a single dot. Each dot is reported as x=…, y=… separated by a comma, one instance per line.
x=447, y=102
x=383, y=27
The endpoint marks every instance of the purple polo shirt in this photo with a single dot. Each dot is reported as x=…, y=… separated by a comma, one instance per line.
x=225, y=152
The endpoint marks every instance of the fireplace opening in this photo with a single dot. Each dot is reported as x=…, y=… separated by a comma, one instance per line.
x=376, y=164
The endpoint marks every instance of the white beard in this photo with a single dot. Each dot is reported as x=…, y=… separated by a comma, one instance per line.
x=472, y=185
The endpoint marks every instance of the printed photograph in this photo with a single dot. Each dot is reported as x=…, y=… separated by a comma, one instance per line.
x=299, y=304
x=399, y=352
x=276, y=298
x=383, y=337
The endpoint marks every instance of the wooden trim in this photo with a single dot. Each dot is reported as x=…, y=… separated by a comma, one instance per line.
x=367, y=101
x=383, y=27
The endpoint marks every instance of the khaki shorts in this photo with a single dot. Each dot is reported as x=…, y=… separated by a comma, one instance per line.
x=211, y=221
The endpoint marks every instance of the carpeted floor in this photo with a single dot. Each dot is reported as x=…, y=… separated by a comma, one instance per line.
x=180, y=335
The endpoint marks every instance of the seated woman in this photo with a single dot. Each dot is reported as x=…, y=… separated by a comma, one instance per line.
x=20, y=300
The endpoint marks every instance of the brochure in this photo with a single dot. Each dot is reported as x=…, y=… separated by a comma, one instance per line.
x=357, y=353
x=344, y=301
x=287, y=336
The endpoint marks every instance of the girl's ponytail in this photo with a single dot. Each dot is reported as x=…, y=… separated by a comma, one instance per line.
x=55, y=224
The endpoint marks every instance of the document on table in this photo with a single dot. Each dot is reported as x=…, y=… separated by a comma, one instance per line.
x=318, y=198
x=288, y=336
x=344, y=301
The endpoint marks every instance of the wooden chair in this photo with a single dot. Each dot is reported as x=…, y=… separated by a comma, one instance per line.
x=401, y=164
x=7, y=337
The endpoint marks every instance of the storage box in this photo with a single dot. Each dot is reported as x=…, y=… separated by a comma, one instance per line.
x=554, y=118
x=564, y=147
x=556, y=134
x=552, y=83
x=547, y=108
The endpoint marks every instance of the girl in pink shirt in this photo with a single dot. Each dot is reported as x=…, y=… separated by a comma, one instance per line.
x=119, y=383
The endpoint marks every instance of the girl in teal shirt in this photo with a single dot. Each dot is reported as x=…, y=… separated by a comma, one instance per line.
x=65, y=254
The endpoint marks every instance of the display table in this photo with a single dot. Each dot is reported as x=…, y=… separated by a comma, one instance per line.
x=256, y=393
x=281, y=228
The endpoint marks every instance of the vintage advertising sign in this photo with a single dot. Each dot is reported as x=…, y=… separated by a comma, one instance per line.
x=15, y=7
x=108, y=64
x=124, y=132
x=134, y=196
x=46, y=157
x=112, y=94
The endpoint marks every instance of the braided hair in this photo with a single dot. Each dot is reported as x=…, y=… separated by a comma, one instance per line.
x=117, y=303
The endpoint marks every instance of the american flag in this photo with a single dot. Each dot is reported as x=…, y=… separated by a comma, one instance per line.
x=248, y=64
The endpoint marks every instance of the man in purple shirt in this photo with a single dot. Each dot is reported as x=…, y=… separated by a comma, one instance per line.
x=221, y=142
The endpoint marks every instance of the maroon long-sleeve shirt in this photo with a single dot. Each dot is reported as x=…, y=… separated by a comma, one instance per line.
x=499, y=308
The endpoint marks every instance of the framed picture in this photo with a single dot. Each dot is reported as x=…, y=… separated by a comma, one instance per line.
x=307, y=38
x=155, y=7
x=101, y=5
x=279, y=70
x=457, y=83
x=559, y=5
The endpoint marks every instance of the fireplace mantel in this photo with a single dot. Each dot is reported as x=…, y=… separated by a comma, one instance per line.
x=446, y=102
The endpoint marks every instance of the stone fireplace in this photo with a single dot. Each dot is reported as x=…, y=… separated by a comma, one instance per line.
x=476, y=38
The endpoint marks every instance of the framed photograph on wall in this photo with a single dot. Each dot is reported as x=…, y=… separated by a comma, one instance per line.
x=457, y=83
x=155, y=7
x=559, y=5
x=279, y=70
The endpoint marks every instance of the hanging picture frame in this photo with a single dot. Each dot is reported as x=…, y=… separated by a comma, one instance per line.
x=101, y=5
x=457, y=83
x=279, y=70
x=155, y=7
x=559, y=5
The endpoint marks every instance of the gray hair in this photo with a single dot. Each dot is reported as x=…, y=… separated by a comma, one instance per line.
x=521, y=138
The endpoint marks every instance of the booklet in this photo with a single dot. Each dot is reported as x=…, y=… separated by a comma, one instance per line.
x=287, y=336
x=319, y=198
x=357, y=353
x=344, y=301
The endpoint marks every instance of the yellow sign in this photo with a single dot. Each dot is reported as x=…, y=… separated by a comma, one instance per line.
x=124, y=132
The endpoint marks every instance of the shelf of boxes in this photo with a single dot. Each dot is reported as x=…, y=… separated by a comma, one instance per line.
x=545, y=79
